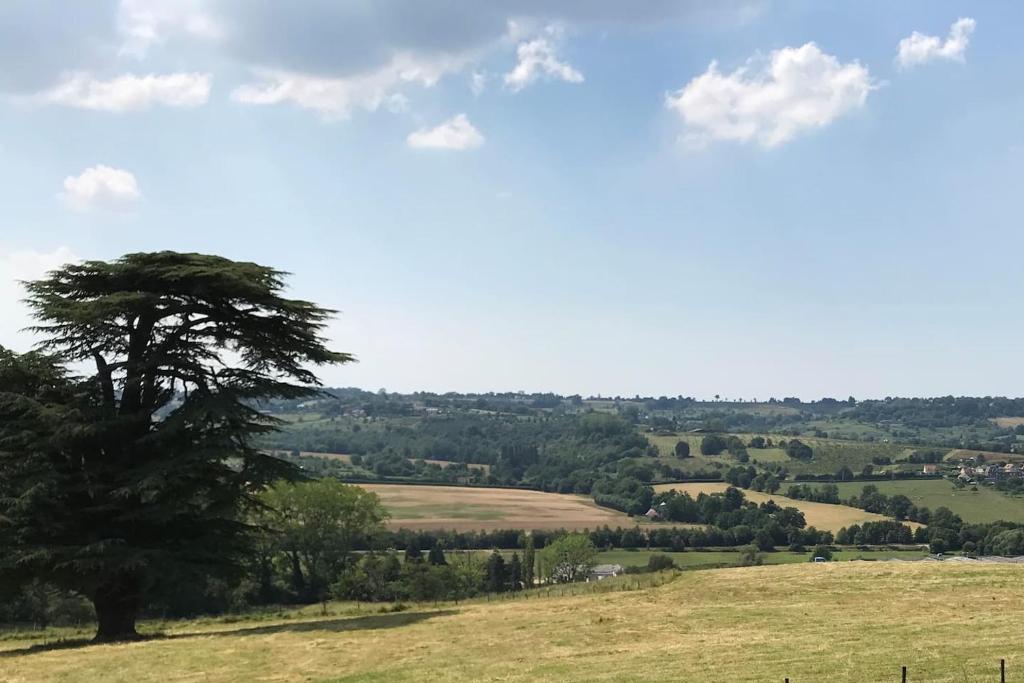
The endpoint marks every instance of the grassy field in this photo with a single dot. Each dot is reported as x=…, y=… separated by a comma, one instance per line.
x=845, y=622
x=983, y=505
x=1008, y=422
x=468, y=508
x=829, y=454
x=704, y=559
x=820, y=515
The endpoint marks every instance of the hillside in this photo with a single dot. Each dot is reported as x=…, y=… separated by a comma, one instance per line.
x=752, y=624
x=819, y=515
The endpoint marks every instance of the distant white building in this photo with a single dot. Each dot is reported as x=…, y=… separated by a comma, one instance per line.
x=603, y=571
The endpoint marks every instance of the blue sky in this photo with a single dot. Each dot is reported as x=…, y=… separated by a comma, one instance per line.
x=551, y=196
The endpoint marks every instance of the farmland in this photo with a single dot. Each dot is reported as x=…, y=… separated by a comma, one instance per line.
x=820, y=515
x=770, y=621
x=983, y=505
x=467, y=508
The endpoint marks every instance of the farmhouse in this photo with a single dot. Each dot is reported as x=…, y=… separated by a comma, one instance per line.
x=603, y=571
x=930, y=468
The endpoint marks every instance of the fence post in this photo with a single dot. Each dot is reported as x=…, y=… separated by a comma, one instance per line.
x=904, y=674
x=1002, y=671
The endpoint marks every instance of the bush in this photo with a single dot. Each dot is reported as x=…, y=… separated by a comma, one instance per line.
x=822, y=551
x=659, y=562
x=798, y=450
x=712, y=445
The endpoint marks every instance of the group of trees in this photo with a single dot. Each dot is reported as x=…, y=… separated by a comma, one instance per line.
x=729, y=513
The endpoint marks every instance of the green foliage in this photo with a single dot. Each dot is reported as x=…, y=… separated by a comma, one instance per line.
x=822, y=551
x=135, y=478
x=712, y=444
x=798, y=450
x=316, y=525
x=749, y=556
x=682, y=449
x=567, y=559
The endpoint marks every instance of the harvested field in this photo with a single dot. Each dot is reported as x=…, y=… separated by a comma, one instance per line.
x=465, y=508
x=821, y=515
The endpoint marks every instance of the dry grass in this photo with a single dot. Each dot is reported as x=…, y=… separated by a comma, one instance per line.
x=844, y=623
x=468, y=508
x=1008, y=422
x=990, y=456
x=820, y=515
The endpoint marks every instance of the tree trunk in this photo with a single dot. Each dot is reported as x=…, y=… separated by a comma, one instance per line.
x=117, y=604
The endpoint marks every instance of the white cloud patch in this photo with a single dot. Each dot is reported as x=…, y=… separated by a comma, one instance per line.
x=477, y=82
x=130, y=92
x=145, y=23
x=336, y=98
x=455, y=133
x=770, y=102
x=100, y=187
x=917, y=48
x=15, y=267
x=538, y=59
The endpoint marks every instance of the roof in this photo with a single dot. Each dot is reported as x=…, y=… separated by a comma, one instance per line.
x=606, y=569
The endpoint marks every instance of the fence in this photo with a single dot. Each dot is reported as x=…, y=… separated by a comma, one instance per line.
x=904, y=676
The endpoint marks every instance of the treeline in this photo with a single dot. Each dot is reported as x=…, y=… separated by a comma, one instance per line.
x=945, y=411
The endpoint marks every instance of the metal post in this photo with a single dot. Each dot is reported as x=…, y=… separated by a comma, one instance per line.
x=904, y=674
x=1002, y=671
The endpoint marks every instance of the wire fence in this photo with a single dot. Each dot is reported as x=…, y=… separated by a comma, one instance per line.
x=906, y=677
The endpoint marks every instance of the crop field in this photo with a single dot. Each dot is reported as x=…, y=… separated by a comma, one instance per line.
x=983, y=505
x=821, y=515
x=845, y=622
x=463, y=508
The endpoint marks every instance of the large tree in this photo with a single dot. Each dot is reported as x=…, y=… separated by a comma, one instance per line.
x=140, y=473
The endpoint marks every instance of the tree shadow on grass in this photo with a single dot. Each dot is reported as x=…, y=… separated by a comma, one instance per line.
x=367, y=623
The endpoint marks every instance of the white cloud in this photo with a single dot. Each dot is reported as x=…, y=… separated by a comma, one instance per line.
x=130, y=92
x=455, y=133
x=335, y=98
x=144, y=23
x=100, y=187
x=798, y=89
x=16, y=266
x=477, y=82
x=918, y=48
x=537, y=58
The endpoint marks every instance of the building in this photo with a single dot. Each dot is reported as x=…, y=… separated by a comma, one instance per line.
x=652, y=514
x=603, y=571
x=930, y=468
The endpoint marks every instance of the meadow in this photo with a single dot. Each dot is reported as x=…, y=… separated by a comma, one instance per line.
x=983, y=505
x=823, y=516
x=745, y=624
x=462, y=508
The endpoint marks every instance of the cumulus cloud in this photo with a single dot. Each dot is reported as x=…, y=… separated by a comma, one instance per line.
x=335, y=98
x=130, y=92
x=795, y=90
x=537, y=58
x=100, y=187
x=455, y=133
x=17, y=266
x=918, y=48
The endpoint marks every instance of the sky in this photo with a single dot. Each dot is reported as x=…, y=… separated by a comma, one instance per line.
x=748, y=198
